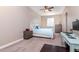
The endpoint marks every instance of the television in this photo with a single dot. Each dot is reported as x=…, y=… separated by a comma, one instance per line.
x=75, y=25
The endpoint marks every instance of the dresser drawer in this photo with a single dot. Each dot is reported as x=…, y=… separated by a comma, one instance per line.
x=27, y=34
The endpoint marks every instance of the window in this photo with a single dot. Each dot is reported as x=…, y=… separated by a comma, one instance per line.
x=50, y=22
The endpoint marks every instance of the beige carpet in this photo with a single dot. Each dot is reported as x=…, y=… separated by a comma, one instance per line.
x=33, y=45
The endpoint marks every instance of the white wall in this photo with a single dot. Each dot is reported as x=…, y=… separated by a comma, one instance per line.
x=73, y=14
x=63, y=19
x=13, y=21
x=58, y=19
x=35, y=20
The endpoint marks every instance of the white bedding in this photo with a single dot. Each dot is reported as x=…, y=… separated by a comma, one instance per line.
x=43, y=32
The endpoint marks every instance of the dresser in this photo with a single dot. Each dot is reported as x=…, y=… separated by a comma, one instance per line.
x=27, y=34
x=58, y=28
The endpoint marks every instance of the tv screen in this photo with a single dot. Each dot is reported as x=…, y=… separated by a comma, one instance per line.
x=75, y=25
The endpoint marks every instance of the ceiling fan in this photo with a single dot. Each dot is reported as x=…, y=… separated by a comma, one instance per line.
x=47, y=8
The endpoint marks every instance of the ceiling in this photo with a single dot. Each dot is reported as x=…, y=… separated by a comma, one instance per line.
x=56, y=10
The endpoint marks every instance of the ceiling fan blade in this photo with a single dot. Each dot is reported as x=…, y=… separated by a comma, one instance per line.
x=51, y=7
x=46, y=7
x=49, y=10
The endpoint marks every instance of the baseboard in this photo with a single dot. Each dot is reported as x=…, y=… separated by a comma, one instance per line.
x=11, y=43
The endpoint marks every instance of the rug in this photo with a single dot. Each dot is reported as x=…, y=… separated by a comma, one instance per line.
x=51, y=48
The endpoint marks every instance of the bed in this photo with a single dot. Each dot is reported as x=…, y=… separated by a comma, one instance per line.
x=43, y=32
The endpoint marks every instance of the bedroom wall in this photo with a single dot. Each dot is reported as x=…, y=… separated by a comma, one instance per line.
x=43, y=22
x=63, y=18
x=13, y=21
x=36, y=19
x=73, y=14
x=57, y=20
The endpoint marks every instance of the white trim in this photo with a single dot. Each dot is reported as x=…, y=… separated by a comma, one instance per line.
x=11, y=43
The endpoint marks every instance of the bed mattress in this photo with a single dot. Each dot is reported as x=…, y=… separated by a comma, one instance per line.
x=43, y=32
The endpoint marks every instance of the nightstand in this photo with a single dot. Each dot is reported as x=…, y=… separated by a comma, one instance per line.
x=27, y=34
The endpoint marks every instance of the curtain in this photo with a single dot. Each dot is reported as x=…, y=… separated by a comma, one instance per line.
x=43, y=21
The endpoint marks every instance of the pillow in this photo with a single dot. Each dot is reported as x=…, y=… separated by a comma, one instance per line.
x=37, y=27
